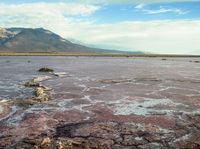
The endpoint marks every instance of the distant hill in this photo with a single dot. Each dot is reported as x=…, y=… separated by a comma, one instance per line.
x=42, y=40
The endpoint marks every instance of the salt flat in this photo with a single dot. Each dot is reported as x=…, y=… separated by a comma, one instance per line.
x=101, y=102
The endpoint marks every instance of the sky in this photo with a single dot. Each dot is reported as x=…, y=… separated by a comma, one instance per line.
x=152, y=26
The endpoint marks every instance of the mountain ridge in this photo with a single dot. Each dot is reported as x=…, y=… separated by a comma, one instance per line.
x=42, y=40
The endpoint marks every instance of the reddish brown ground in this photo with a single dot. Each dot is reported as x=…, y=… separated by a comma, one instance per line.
x=103, y=103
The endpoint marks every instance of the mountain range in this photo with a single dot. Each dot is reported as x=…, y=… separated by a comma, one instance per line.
x=42, y=40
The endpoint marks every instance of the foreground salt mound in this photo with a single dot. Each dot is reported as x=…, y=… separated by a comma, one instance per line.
x=35, y=82
x=45, y=69
x=42, y=91
x=41, y=78
x=59, y=74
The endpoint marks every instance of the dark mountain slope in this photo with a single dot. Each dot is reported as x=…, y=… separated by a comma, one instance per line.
x=41, y=40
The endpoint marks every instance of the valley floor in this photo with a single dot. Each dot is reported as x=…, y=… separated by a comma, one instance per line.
x=100, y=102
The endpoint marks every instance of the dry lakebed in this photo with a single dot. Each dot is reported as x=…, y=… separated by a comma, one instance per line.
x=99, y=103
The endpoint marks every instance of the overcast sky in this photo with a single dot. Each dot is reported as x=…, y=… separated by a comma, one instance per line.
x=155, y=26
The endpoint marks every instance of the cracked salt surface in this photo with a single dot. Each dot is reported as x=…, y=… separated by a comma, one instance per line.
x=159, y=130
x=143, y=108
x=1, y=109
x=15, y=119
x=185, y=137
x=14, y=109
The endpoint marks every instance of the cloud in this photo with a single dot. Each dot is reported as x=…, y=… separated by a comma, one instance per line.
x=141, y=7
x=175, y=37
x=165, y=10
x=164, y=36
x=53, y=16
x=129, y=1
x=28, y=9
